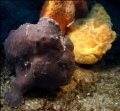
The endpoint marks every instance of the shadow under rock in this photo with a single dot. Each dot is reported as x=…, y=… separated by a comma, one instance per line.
x=42, y=93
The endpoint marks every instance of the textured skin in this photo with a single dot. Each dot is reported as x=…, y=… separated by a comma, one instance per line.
x=64, y=11
x=40, y=57
x=81, y=8
x=61, y=11
x=92, y=36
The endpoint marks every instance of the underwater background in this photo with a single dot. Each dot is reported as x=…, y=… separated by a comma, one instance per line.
x=102, y=94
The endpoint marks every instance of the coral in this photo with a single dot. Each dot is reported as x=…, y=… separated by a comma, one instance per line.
x=63, y=11
x=40, y=56
x=91, y=36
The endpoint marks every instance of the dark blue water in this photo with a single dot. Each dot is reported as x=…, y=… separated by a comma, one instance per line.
x=15, y=13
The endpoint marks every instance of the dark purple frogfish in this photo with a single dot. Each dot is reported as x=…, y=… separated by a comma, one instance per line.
x=40, y=56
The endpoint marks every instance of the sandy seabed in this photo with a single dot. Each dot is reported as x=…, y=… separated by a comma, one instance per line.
x=100, y=94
